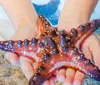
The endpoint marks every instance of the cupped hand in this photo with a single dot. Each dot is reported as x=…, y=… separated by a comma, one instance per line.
x=25, y=64
x=91, y=49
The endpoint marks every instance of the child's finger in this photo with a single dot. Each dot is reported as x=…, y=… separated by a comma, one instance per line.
x=27, y=67
x=61, y=75
x=70, y=73
x=78, y=78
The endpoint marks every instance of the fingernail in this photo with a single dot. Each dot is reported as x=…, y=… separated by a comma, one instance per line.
x=76, y=83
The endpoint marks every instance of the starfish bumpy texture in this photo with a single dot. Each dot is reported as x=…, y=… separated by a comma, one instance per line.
x=54, y=49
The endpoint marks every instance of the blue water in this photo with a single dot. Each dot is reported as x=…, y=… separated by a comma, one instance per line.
x=49, y=10
x=52, y=12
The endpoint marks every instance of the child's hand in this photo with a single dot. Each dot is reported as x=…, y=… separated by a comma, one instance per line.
x=91, y=49
x=75, y=13
x=25, y=64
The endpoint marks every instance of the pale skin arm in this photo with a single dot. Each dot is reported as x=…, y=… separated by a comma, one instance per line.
x=21, y=13
x=76, y=12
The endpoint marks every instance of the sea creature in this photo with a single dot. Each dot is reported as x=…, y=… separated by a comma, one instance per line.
x=54, y=49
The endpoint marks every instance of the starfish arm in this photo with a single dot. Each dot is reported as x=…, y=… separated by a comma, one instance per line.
x=43, y=24
x=79, y=62
x=75, y=60
x=72, y=58
x=42, y=70
x=41, y=73
x=83, y=31
x=24, y=48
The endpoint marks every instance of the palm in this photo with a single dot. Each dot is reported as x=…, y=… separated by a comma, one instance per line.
x=91, y=50
x=25, y=64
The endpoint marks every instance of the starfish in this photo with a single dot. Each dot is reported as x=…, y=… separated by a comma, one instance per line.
x=54, y=49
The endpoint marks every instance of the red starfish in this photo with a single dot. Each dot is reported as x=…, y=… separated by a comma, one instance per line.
x=55, y=49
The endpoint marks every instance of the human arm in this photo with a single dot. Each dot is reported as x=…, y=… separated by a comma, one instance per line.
x=21, y=12
x=76, y=12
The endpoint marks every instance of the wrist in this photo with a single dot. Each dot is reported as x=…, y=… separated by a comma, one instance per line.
x=26, y=27
x=76, y=12
x=69, y=22
x=24, y=21
x=24, y=33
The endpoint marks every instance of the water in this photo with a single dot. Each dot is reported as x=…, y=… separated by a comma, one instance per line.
x=51, y=9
